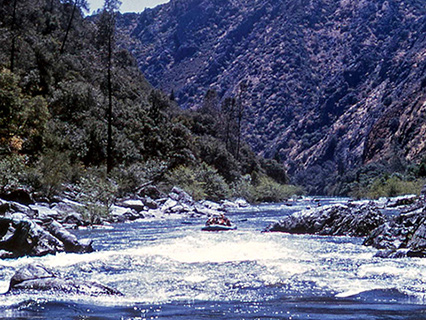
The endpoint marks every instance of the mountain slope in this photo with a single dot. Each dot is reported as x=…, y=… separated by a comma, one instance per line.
x=332, y=85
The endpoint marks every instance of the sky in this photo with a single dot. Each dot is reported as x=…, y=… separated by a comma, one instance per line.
x=128, y=5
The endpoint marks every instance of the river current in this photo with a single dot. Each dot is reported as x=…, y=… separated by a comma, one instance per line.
x=170, y=269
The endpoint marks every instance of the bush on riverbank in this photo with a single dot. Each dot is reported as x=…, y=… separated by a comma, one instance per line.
x=264, y=189
x=386, y=186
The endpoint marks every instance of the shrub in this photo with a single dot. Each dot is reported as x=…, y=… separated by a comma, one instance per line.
x=203, y=182
x=12, y=168
x=186, y=178
x=97, y=195
x=385, y=186
x=130, y=178
x=264, y=189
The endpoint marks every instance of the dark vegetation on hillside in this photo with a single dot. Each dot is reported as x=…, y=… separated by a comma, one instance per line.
x=54, y=116
x=335, y=89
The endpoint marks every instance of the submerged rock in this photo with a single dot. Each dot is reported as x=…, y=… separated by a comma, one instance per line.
x=39, y=278
x=336, y=220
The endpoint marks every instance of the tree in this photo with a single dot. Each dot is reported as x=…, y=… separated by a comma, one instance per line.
x=210, y=103
x=106, y=37
x=82, y=4
x=14, y=36
x=228, y=114
x=22, y=117
x=240, y=109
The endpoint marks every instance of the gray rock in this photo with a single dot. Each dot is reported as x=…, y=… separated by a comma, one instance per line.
x=39, y=278
x=73, y=220
x=168, y=205
x=24, y=237
x=44, y=211
x=403, y=235
x=136, y=205
x=69, y=241
x=21, y=236
x=337, y=220
x=181, y=196
x=205, y=211
x=150, y=203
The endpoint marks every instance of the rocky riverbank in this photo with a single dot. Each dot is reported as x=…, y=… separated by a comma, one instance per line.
x=397, y=227
x=30, y=227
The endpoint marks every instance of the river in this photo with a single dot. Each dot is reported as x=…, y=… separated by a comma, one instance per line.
x=170, y=269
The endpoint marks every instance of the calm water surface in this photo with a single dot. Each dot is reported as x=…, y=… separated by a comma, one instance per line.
x=170, y=269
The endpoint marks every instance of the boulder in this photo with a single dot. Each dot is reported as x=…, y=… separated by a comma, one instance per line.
x=24, y=237
x=4, y=207
x=336, y=220
x=18, y=207
x=122, y=214
x=73, y=220
x=402, y=201
x=211, y=205
x=150, y=191
x=39, y=278
x=136, y=205
x=168, y=205
x=150, y=203
x=19, y=195
x=21, y=236
x=402, y=236
x=206, y=211
x=181, y=196
x=423, y=191
x=43, y=211
x=69, y=241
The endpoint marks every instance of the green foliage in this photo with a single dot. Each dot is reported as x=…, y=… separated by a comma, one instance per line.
x=186, y=178
x=130, y=178
x=381, y=179
x=97, y=195
x=264, y=189
x=202, y=182
x=215, y=154
x=21, y=115
x=12, y=168
x=386, y=186
x=275, y=170
x=57, y=109
x=51, y=172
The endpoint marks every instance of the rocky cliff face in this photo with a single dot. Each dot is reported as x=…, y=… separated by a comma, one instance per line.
x=332, y=84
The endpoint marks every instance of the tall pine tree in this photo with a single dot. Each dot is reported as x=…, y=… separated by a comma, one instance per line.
x=106, y=38
x=76, y=4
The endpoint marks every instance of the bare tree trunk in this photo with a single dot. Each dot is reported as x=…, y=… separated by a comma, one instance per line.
x=74, y=8
x=240, y=107
x=109, y=112
x=13, y=27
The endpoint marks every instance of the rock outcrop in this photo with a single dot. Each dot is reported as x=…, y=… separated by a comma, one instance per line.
x=401, y=236
x=37, y=277
x=396, y=235
x=22, y=236
x=335, y=220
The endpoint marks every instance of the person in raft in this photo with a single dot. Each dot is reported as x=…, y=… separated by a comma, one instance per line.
x=221, y=220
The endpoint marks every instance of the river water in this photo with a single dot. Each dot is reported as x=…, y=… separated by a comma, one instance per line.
x=170, y=269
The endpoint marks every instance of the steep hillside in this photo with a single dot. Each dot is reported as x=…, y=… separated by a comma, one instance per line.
x=72, y=101
x=332, y=85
